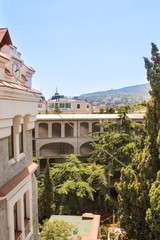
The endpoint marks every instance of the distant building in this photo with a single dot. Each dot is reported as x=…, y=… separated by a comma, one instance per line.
x=66, y=105
x=56, y=96
x=18, y=110
x=70, y=106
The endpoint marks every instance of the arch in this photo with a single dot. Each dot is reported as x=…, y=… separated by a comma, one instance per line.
x=95, y=128
x=69, y=129
x=84, y=128
x=43, y=130
x=56, y=149
x=56, y=130
x=139, y=121
x=86, y=148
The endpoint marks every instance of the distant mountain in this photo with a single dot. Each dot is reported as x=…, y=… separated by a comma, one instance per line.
x=118, y=97
x=136, y=90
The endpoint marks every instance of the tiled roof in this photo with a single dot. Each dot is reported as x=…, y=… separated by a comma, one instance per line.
x=11, y=184
x=4, y=37
x=17, y=86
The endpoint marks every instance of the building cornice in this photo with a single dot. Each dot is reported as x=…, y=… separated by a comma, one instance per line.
x=16, y=181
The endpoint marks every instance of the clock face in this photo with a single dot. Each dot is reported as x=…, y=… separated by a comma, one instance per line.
x=16, y=69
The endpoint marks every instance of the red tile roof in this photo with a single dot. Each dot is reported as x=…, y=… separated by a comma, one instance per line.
x=9, y=186
x=17, y=86
x=4, y=37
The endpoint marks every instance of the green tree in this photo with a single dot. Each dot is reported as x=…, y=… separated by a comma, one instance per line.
x=120, y=139
x=57, y=109
x=57, y=230
x=70, y=184
x=107, y=110
x=98, y=181
x=153, y=213
x=136, y=180
x=46, y=197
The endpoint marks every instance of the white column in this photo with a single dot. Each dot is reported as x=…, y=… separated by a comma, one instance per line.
x=36, y=130
x=79, y=128
x=20, y=214
x=62, y=130
x=75, y=129
x=90, y=127
x=49, y=130
x=101, y=128
x=16, y=130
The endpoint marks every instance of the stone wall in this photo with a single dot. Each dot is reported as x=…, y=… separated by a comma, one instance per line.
x=9, y=169
x=34, y=208
x=3, y=220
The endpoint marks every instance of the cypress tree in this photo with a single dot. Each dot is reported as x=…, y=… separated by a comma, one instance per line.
x=46, y=197
x=137, y=179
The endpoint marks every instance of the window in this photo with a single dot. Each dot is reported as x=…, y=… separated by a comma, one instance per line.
x=26, y=213
x=68, y=105
x=15, y=218
x=78, y=105
x=87, y=106
x=61, y=105
x=17, y=231
x=21, y=140
x=25, y=206
x=10, y=145
x=51, y=105
x=34, y=148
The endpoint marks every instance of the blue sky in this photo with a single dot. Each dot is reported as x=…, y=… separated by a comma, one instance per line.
x=83, y=46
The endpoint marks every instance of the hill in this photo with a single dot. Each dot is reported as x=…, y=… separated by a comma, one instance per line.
x=117, y=97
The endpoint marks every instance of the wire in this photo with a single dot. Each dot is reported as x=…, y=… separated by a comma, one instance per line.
x=116, y=159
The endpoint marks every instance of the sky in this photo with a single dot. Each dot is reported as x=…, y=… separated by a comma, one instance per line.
x=83, y=46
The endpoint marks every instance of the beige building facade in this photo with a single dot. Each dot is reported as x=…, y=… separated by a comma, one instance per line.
x=66, y=105
x=18, y=110
x=57, y=135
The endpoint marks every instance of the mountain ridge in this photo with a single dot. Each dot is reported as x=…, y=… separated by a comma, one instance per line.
x=134, y=90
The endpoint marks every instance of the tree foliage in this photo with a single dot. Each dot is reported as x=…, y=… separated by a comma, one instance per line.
x=120, y=138
x=107, y=110
x=57, y=230
x=70, y=184
x=46, y=195
x=135, y=192
x=153, y=213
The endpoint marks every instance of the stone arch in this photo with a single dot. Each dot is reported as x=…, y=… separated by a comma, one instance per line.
x=95, y=128
x=56, y=149
x=86, y=148
x=43, y=130
x=139, y=121
x=69, y=129
x=56, y=130
x=84, y=128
